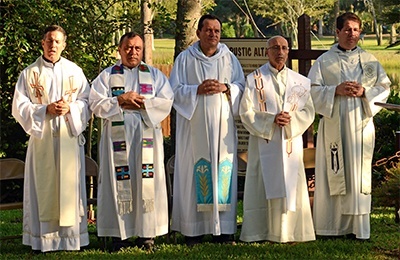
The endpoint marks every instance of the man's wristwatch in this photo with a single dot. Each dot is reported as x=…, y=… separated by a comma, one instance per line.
x=227, y=88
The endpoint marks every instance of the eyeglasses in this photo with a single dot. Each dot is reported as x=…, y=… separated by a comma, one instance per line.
x=278, y=48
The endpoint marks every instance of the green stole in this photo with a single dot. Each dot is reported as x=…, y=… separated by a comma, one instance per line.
x=55, y=192
x=120, y=156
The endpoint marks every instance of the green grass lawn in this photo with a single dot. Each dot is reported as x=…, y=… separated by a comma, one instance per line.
x=384, y=244
x=163, y=52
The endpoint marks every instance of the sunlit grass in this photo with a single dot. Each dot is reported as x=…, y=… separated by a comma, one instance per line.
x=163, y=52
x=384, y=244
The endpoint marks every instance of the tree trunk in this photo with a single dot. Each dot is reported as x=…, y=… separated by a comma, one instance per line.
x=188, y=14
x=147, y=32
x=337, y=10
x=393, y=34
x=320, y=28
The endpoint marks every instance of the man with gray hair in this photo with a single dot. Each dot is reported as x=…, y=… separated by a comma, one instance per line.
x=276, y=109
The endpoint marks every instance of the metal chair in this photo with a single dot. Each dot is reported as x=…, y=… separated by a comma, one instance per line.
x=309, y=167
x=169, y=174
x=11, y=175
x=91, y=170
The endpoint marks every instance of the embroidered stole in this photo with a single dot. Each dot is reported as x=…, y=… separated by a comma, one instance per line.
x=148, y=189
x=55, y=199
x=296, y=94
x=213, y=150
x=120, y=156
x=332, y=131
x=213, y=180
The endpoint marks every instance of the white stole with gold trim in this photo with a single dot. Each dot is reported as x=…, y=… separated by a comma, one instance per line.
x=55, y=199
x=296, y=93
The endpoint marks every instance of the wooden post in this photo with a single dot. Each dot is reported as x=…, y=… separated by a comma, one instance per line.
x=304, y=55
x=304, y=42
x=397, y=206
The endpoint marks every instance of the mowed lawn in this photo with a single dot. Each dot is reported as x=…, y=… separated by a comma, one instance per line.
x=384, y=244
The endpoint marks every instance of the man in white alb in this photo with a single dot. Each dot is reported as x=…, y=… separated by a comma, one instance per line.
x=51, y=104
x=208, y=81
x=276, y=109
x=132, y=98
x=346, y=81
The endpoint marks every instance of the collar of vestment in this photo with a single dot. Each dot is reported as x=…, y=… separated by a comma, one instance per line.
x=344, y=50
x=275, y=71
x=196, y=51
x=49, y=61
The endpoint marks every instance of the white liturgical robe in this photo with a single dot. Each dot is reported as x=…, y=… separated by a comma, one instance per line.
x=137, y=219
x=276, y=205
x=54, y=184
x=345, y=140
x=206, y=143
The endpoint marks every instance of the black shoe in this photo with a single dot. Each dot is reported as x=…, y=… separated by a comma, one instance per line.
x=36, y=252
x=351, y=236
x=192, y=241
x=354, y=237
x=224, y=239
x=145, y=243
x=117, y=244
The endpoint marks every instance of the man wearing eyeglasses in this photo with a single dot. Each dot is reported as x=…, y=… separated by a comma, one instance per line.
x=346, y=81
x=276, y=108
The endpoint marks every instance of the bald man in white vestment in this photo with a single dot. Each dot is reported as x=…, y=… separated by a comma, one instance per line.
x=276, y=109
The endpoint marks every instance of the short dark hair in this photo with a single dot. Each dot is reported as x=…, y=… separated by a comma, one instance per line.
x=345, y=17
x=128, y=35
x=53, y=28
x=207, y=16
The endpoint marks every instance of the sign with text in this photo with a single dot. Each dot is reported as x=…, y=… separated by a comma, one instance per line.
x=252, y=54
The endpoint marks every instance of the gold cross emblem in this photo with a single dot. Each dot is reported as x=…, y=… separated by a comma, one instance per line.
x=37, y=87
x=71, y=90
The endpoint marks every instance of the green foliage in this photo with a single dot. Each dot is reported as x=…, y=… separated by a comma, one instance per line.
x=389, y=10
x=286, y=13
x=387, y=193
x=163, y=20
x=227, y=31
x=90, y=25
x=386, y=124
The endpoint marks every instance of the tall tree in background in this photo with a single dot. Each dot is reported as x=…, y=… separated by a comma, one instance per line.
x=188, y=13
x=286, y=12
x=147, y=30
